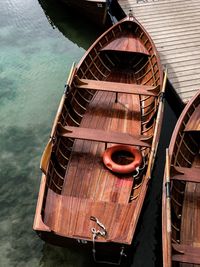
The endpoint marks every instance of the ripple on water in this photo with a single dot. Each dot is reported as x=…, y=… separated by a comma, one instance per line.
x=34, y=62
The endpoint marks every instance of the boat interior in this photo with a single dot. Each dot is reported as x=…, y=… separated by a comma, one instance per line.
x=185, y=201
x=113, y=96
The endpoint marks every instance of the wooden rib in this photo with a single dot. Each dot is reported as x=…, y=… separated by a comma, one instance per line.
x=103, y=75
x=176, y=202
x=144, y=74
x=117, y=87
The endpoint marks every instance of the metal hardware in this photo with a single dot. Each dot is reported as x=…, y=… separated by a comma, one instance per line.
x=167, y=185
x=103, y=232
x=137, y=172
x=138, y=169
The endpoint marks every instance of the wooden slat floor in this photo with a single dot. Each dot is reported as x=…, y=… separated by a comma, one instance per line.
x=70, y=216
x=90, y=178
x=174, y=26
x=190, y=230
x=90, y=189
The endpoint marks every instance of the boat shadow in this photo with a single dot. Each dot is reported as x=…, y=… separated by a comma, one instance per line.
x=60, y=256
x=72, y=26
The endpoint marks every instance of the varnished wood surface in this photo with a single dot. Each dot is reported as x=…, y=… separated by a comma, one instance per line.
x=186, y=254
x=96, y=180
x=185, y=189
x=128, y=44
x=175, y=28
x=124, y=88
x=185, y=174
x=79, y=225
x=89, y=188
x=78, y=185
x=194, y=121
x=92, y=134
x=190, y=230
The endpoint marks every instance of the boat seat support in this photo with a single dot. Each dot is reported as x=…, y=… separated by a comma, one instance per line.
x=104, y=136
x=185, y=174
x=115, y=87
x=186, y=254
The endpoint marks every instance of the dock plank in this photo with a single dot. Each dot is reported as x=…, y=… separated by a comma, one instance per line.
x=174, y=27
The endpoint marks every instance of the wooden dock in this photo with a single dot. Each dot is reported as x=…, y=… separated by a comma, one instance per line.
x=174, y=26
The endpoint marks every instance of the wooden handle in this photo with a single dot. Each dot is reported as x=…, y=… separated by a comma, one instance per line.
x=168, y=205
x=167, y=166
x=157, y=130
x=59, y=111
x=44, y=163
x=167, y=185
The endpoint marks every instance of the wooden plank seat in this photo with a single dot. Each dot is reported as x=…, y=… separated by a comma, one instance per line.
x=65, y=210
x=186, y=254
x=115, y=87
x=194, y=122
x=126, y=44
x=185, y=174
x=103, y=136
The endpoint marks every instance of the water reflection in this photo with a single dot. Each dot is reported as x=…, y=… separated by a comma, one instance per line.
x=75, y=28
x=34, y=62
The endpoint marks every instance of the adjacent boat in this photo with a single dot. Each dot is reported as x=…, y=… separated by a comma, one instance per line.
x=101, y=12
x=98, y=162
x=181, y=191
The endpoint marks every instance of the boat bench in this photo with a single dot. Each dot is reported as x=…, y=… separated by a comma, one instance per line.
x=185, y=174
x=115, y=87
x=194, y=122
x=103, y=136
x=186, y=253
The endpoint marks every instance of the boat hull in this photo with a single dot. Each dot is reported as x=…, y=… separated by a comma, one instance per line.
x=181, y=184
x=113, y=96
x=110, y=252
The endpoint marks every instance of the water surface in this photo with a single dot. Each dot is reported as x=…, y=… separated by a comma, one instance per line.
x=39, y=42
x=35, y=59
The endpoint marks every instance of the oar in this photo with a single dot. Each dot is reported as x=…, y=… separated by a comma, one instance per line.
x=44, y=163
x=157, y=128
x=168, y=206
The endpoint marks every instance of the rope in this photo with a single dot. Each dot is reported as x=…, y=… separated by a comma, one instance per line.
x=138, y=169
x=95, y=232
x=102, y=232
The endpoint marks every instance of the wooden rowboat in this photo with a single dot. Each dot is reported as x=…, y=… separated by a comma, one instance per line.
x=181, y=191
x=114, y=96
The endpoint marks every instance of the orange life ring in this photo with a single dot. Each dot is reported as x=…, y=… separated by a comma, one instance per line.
x=123, y=169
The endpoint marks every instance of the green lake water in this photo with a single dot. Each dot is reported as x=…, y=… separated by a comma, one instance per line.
x=35, y=59
x=38, y=44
